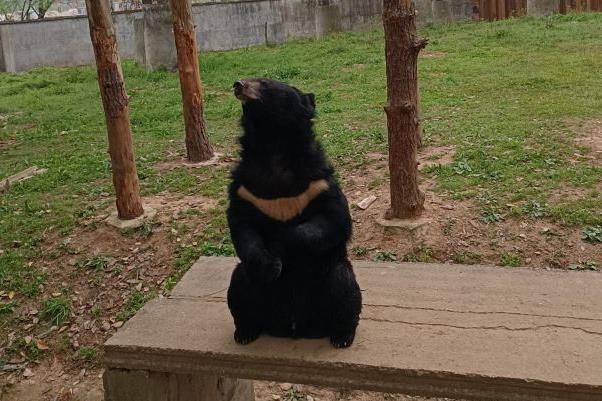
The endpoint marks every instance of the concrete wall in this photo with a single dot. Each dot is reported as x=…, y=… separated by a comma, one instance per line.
x=220, y=26
x=240, y=24
x=58, y=42
x=540, y=8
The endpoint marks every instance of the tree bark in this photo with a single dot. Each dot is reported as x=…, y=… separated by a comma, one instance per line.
x=403, y=120
x=198, y=147
x=115, y=103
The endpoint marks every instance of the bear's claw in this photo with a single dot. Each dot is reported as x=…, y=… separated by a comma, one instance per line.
x=342, y=341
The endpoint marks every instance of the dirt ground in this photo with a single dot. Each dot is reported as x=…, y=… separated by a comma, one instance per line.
x=454, y=234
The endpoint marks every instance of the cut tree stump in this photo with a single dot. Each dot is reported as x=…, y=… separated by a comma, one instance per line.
x=460, y=332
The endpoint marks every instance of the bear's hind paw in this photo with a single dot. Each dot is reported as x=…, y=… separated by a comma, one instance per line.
x=244, y=337
x=342, y=341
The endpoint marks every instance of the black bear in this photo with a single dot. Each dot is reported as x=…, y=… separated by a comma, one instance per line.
x=289, y=223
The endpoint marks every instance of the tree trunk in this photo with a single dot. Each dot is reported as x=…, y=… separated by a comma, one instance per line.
x=198, y=147
x=115, y=102
x=403, y=120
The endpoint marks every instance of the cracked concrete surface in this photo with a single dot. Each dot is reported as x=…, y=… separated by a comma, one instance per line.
x=469, y=332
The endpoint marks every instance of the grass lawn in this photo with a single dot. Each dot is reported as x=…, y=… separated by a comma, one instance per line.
x=508, y=100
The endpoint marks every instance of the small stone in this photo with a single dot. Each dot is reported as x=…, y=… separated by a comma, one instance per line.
x=309, y=398
x=275, y=397
x=27, y=373
x=106, y=326
x=285, y=386
x=365, y=203
x=118, y=324
x=27, y=339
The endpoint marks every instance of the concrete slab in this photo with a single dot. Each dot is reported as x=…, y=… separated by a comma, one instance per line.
x=115, y=221
x=401, y=225
x=476, y=333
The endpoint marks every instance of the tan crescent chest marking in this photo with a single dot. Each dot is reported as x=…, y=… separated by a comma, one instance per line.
x=284, y=209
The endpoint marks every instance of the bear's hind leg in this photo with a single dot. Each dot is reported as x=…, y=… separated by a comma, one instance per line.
x=247, y=305
x=345, y=301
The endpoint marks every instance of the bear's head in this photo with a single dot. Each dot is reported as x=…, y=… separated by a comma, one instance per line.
x=273, y=103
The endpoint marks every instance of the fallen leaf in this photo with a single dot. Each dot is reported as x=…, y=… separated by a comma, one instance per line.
x=11, y=295
x=27, y=339
x=42, y=345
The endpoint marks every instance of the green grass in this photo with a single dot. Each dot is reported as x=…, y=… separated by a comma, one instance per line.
x=96, y=312
x=134, y=303
x=503, y=93
x=467, y=257
x=56, y=310
x=88, y=354
x=586, y=265
x=98, y=262
x=510, y=259
x=592, y=234
x=384, y=256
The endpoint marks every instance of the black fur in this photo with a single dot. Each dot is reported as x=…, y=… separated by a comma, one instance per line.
x=294, y=279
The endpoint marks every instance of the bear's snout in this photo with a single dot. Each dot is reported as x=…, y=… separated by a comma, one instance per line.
x=245, y=90
x=239, y=87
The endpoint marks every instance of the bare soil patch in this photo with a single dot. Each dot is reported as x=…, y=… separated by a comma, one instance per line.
x=354, y=67
x=457, y=234
x=7, y=144
x=589, y=136
x=432, y=54
x=175, y=162
x=270, y=391
x=99, y=292
x=436, y=155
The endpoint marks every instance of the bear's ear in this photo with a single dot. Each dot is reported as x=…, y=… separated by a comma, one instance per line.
x=309, y=103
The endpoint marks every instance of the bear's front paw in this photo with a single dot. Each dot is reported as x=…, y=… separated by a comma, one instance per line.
x=268, y=269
